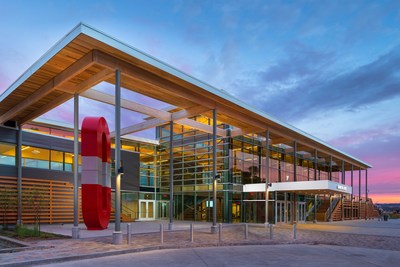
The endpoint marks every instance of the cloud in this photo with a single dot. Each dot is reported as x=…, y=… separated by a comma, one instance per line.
x=304, y=83
x=378, y=147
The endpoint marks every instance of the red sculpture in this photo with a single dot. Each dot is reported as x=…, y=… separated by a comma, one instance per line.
x=96, y=173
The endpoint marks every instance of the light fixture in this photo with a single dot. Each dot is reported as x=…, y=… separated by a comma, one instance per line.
x=35, y=151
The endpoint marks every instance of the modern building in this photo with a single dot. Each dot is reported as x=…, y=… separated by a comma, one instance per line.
x=214, y=158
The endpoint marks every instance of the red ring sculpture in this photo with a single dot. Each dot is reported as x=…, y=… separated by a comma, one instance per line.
x=96, y=173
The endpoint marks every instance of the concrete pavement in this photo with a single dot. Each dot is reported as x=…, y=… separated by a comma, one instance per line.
x=240, y=256
x=360, y=235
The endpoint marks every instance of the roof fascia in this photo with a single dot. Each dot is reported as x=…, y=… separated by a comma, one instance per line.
x=43, y=59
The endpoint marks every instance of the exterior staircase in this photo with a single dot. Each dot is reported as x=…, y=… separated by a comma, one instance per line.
x=322, y=209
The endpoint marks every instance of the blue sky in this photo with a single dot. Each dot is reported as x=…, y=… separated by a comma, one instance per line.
x=330, y=68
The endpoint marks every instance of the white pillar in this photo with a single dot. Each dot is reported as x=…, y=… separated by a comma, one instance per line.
x=266, y=176
x=117, y=235
x=75, y=228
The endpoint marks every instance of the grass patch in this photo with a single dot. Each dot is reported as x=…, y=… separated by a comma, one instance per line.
x=23, y=233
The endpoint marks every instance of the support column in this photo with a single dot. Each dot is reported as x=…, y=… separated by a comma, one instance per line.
x=276, y=207
x=343, y=173
x=295, y=161
x=330, y=208
x=117, y=235
x=366, y=194
x=352, y=192
x=267, y=177
x=75, y=228
x=342, y=196
x=342, y=210
x=285, y=210
x=315, y=208
x=359, y=193
x=171, y=175
x=214, y=173
x=19, y=175
x=295, y=208
x=315, y=164
x=330, y=168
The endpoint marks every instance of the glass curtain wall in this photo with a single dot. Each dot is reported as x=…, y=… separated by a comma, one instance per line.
x=193, y=163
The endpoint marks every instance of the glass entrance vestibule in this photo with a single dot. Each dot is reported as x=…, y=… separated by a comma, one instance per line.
x=282, y=208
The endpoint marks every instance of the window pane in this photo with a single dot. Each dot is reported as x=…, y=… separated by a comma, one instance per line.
x=57, y=160
x=7, y=154
x=35, y=157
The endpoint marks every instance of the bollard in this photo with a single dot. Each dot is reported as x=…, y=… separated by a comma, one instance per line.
x=220, y=232
x=294, y=231
x=266, y=226
x=162, y=233
x=271, y=234
x=246, y=231
x=191, y=232
x=129, y=233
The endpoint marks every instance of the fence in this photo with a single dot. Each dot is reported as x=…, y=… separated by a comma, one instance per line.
x=50, y=201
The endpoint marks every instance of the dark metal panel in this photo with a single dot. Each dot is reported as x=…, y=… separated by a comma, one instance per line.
x=131, y=164
x=8, y=135
x=47, y=174
x=6, y=170
x=49, y=142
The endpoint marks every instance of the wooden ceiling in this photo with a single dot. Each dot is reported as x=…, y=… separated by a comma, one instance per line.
x=86, y=57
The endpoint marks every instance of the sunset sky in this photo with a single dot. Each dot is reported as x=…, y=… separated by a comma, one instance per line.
x=329, y=68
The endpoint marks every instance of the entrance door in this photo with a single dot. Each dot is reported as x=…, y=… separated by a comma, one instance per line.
x=301, y=212
x=280, y=211
x=163, y=209
x=146, y=210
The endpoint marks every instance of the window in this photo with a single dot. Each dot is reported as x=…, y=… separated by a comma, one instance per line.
x=7, y=154
x=57, y=159
x=35, y=157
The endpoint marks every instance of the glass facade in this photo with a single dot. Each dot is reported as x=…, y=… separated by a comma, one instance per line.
x=241, y=160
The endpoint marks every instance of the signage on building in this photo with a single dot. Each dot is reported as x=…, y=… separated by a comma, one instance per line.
x=342, y=187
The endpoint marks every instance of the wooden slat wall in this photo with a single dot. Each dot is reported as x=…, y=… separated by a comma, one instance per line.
x=56, y=200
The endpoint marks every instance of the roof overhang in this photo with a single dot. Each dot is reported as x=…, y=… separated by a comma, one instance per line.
x=86, y=57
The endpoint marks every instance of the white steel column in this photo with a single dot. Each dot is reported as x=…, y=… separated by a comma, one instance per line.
x=171, y=175
x=315, y=164
x=266, y=176
x=19, y=175
x=343, y=173
x=352, y=191
x=117, y=235
x=366, y=193
x=214, y=173
x=359, y=193
x=75, y=228
x=341, y=195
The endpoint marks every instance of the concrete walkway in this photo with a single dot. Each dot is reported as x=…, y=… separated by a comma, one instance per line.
x=382, y=237
x=241, y=256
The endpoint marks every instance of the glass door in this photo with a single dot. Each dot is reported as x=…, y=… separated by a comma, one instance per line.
x=163, y=209
x=280, y=212
x=301, y=212
x=146, y=210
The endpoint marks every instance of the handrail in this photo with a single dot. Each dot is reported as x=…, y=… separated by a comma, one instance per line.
x=332, y=207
